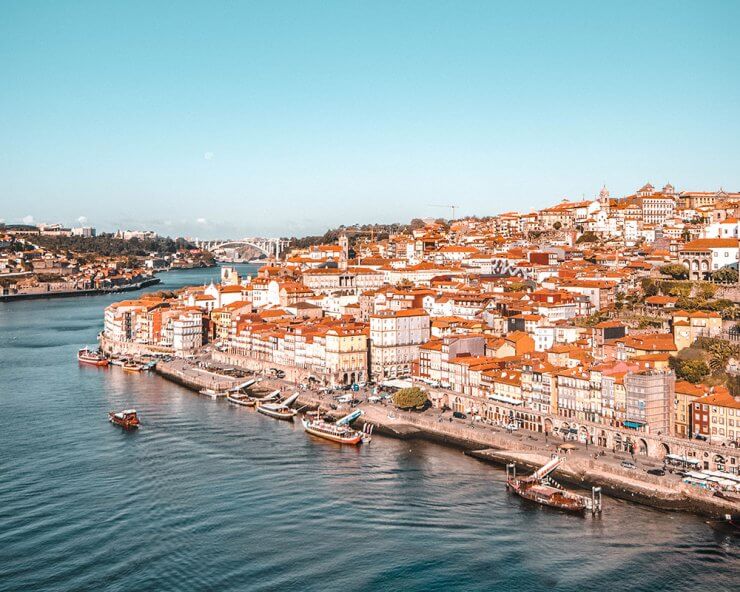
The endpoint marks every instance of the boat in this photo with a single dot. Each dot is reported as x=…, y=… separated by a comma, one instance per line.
x=214, y=394
x=131, y=366
x=342, y=434
x=127, y=418
x=729, y=524
x=241, y=399
x=273, y=396
x=539, y=488
x=282, y=410
x=245, y=385
x=92, y=357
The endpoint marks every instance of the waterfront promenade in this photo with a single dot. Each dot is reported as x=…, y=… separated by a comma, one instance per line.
x=584, y=466
x=47, y=293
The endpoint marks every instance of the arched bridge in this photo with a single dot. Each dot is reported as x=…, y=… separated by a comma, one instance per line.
x=271, y=247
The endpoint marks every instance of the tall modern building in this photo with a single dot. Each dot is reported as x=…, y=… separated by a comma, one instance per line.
x=650, y=398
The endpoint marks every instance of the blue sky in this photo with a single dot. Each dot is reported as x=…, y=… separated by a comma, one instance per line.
x=217, y=119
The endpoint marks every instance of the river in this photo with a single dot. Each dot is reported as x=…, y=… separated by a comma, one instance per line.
x=206, y=496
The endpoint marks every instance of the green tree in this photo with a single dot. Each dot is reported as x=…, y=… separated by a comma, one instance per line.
x=692, y=371
x=649, y=287
x=408, y=398
x=676, y=271
x=726, y=275
x=587, y=237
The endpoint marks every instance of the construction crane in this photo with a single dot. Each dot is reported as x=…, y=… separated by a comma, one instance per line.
x=452, y=207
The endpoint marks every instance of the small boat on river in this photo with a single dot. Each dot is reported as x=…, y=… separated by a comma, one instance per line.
x=127, y=418
x=91, y=357
x=282, y=410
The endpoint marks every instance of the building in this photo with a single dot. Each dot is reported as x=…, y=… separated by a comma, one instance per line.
x=650, y=401
x=689, y=326
x=704, y=256
x=346, y=355
x=395, y=337
x=84, y=231
x=657, y=208
x=716, y=416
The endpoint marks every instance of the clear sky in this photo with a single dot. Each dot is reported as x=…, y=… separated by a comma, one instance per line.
x=218, y=119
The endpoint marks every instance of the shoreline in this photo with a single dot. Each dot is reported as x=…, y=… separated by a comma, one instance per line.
x=501, y=449
x=88, y=292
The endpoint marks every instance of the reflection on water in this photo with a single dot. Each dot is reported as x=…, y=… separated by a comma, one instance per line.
x=207, y=496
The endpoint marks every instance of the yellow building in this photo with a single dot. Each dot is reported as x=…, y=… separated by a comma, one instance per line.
x=689, y=326
x=346, y=355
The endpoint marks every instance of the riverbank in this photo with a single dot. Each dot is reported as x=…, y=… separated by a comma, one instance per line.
x=496, y=446
x=88, y=292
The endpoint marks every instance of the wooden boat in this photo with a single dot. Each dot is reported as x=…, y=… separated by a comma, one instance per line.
x=540, y=489
x=729, y=524
x=91, y=357
x=273, y=396
x=277, y=411
x=132, y=367
x=281, y=410
x=241, y=399
x=212, y=393
x=127, y=418
x=342, y=434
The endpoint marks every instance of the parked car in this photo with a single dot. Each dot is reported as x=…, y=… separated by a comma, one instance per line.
x=512, y=427
x=459, y=415
x=656, y=472
x=700, y=437
x=628, y=464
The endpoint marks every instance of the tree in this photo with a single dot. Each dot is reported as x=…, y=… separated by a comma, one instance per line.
x=726, y=275
x=676, y=271
x=587, y=237
x=649, y=287
x=692, y=371
x=409, y=398
x=557, y=226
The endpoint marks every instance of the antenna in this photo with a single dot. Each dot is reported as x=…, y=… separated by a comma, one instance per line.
x=453, y=208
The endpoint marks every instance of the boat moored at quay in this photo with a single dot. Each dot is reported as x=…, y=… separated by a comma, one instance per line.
x=338, y=431
x=341, y=434
x=540, y=488
x=281, y=410
x=241, y=399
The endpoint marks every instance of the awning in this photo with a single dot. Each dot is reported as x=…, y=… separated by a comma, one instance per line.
x=634, y=425
x=504, y=399
x=397, y=383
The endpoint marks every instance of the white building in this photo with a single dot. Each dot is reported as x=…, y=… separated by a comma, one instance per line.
x=395, y=337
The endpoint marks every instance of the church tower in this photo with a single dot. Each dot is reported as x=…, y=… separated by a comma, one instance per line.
x=344, y=256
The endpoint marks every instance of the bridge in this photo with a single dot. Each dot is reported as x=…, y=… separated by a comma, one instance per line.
x=270, y=247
